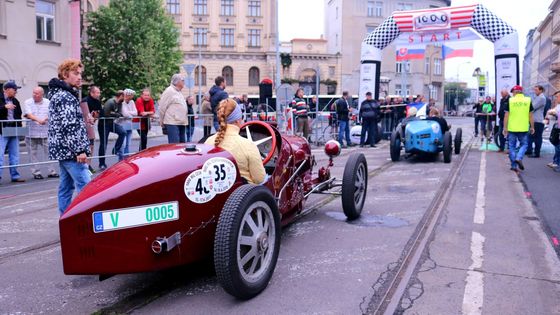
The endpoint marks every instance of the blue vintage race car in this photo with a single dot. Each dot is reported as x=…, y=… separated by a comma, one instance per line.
x=424, y=136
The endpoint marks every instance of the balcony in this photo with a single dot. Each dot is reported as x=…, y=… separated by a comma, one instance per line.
x=555, y=67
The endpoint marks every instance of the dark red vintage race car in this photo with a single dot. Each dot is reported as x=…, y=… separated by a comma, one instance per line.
x=174, y=204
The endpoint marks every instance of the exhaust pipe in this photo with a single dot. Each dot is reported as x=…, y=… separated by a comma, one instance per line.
x=166, y=244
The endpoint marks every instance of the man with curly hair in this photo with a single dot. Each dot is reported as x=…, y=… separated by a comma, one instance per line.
x=67, y=134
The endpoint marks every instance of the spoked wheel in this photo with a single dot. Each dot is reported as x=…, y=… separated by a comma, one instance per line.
x=447, y=147
x=354, y=185
x=247, y=241
x=395, y=146
x=458, y=140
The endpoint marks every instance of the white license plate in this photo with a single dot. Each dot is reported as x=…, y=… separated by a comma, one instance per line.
x=110, y=220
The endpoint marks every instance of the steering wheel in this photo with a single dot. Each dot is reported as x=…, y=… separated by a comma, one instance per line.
x=262, y=144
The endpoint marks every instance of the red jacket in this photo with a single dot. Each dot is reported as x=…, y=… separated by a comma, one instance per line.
x=142, y=107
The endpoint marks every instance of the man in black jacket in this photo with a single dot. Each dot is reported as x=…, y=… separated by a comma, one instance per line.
x=10, y=110
x=111, y=111
x=504, y=105
x=343, y=113
x=369, y=111
x=217, y=94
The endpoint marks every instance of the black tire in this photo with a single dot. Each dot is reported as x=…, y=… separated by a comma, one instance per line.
x=378, y=134
x=458, y=140
x=242, y=205
x=395, y=146
x=447, y=147
x=354, y=185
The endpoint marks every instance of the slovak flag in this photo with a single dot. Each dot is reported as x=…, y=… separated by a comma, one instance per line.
x=410, y=53
x=457, y=49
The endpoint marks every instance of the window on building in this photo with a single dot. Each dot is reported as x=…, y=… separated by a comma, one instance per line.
x=434, y=92
x=44, y=15
x=200, y=7
x=200, y=36
x=336, y=13
x=332, y=71
x=404, y=6
x=336, y=40
x=227, y=73
x=254, y=7
x=370, y=8
x=399, y=89
x=173, y=6
x=437, y=66
x=227, y=7
x=402, y=66
x=202, y=76
x=378, y=8
x=226, y=38
x=254, y=76
x=427, y=66
x=254, y=38
x=370, y=29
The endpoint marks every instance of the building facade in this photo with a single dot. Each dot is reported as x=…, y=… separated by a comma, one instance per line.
x=528, y=59
x=35, y=36
x=347, y=23
x=541, y=63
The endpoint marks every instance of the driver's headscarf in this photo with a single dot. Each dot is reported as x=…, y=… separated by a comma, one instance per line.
x=235, y=115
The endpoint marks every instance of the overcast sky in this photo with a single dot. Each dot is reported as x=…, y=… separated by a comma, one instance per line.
x=305, y=19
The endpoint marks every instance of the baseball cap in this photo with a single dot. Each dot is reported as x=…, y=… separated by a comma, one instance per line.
x=516, y=88
x=11, y=85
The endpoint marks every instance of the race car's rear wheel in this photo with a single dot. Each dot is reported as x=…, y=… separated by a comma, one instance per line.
x=447, y=147
x=354, y=185
x=395, y=146
x=247, y=241
x=458, y=140
x=378, y=134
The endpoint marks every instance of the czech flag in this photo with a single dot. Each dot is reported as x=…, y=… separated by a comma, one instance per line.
x=410, y=53
x=464, y=49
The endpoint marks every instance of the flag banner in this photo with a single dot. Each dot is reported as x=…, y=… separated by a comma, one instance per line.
x=421, y=39
x=435, y=18
x=405, y=53
x=453, y=50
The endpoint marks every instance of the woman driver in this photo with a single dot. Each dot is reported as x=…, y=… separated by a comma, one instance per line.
x=245, y=152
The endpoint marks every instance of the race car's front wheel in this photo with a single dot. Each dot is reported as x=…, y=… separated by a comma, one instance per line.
x=447, y=147
x=395, y=146
x=247, y=241
x=354, y=185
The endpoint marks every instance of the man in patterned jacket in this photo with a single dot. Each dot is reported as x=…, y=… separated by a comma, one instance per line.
x=68, y=140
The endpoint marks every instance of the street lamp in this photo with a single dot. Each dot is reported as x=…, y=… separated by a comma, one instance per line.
x=199, y=70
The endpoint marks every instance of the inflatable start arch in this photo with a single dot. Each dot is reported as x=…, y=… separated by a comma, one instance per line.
x=440, y=22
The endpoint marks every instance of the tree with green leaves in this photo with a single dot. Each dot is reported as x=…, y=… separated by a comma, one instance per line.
x=131, y=44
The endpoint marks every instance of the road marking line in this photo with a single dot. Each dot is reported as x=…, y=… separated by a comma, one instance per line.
x=479, y=215
x=27, y=202
x=474, y=288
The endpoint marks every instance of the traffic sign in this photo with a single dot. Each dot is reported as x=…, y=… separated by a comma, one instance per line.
x=189, y=67
x=189, y=82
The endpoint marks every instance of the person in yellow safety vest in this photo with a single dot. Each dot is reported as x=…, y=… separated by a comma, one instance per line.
x=518, y=117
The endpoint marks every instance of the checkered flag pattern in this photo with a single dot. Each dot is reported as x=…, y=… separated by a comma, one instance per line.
x=489, y=25
x=384, y=34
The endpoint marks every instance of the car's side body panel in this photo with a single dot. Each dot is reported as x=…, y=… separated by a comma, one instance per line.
x=153, y=177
